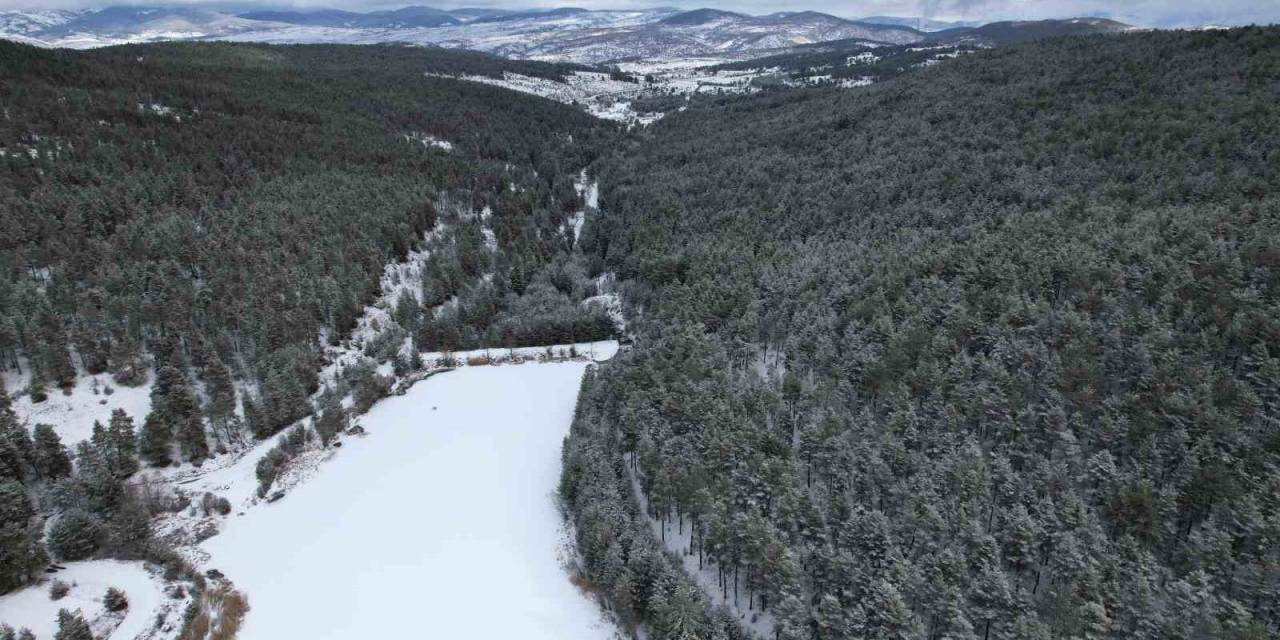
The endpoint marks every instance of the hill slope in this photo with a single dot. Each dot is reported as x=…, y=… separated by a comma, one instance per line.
x=988, y=350
x=1009, y=32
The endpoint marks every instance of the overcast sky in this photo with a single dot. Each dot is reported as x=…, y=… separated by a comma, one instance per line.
x=1142, y=12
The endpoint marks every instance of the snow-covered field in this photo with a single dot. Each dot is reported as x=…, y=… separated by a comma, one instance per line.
x=442, y=511
x=31, y=608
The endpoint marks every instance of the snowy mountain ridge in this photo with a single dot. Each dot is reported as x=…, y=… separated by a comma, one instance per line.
x=580, y=35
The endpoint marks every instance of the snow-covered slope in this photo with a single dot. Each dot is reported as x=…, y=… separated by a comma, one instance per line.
x=442, y=514
x=28, y=22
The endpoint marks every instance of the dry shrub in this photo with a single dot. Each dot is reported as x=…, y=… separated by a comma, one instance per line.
x=234, y=607
x=219, y=616
x=197, y=627
x=479, y=361
x=585, y=584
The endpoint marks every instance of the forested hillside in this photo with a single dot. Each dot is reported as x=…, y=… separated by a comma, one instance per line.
x=236, y=200
x=986, y=351
x=203, y=218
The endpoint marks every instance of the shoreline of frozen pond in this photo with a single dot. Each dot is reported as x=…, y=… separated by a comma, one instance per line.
x=441, y=519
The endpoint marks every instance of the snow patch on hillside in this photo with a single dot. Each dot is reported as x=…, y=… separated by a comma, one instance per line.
x=429, y=141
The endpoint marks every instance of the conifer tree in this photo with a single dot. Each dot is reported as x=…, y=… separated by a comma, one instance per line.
x=51, y=459
x=17, y=452
x=71, y=626
x=127, y=365
x=75, y=535
x=407, y=312
x=192, y=439
x=154, y=441
x=888, y=614
x=175, y=402
x=284, y=400
x=124, y=444
x=991, y=600
x=90, y=348
x=332, y=420
x=115, y=600
x=22, y=556
x=39, y=389
x=221, y=404
x=252, y=416
x=55, y=353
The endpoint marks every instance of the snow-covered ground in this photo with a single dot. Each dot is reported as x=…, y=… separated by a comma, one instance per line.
x=32, y=608
x=442, y=517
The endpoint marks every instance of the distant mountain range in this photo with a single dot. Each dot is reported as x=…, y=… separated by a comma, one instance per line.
x=920, y=24
x=1009, y=32
x=571, y=34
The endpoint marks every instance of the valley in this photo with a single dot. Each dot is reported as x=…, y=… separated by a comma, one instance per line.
x=651, y=324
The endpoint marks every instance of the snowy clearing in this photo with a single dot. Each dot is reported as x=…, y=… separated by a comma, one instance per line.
x=72, y=416
x=445, y=508
x=33, y=609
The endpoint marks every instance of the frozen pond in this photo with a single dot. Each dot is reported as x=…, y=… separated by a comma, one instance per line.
x=441, y=523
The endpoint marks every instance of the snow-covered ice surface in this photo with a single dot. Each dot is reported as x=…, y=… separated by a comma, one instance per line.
x=31, y=607
x=441, y=520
